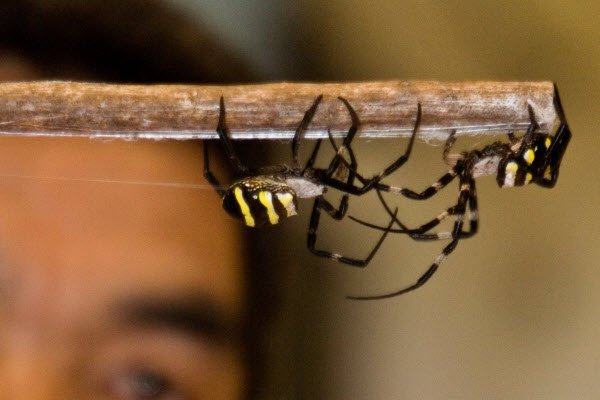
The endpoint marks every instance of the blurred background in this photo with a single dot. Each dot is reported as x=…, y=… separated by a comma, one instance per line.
x=513, y=312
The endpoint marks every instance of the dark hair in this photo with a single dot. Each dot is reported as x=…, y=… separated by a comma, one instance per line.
x=141, y=41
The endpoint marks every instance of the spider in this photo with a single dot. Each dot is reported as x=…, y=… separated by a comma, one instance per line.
x=535, y=158
x=262, y=196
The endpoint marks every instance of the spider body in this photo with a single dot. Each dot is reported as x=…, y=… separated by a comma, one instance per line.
x=267, y=199
x=260, y=200
x=537, y=161
x=265, y=195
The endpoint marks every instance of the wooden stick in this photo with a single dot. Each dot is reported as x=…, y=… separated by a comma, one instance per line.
x=271, y=111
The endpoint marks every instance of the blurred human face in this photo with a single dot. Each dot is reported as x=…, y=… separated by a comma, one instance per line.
x=114, y=290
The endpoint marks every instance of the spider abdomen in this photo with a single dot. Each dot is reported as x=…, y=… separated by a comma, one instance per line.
x=260, y=200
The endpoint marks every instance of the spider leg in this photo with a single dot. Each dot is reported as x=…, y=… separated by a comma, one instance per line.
x=458, y=224
x=322, y=204
x=430, y=191
x=460, y=211
x=425, y=194
x=420, y=232
x=301, y=130
x=473, y=210
x=368, y=184
x=403, y=158
x=339, y=156
x=240, y=169
x=313, y=156
x=557, y=148
x=327, y=176
x=439, y=184
x=339, y=213
x=334, y=168
x=335, y=213
x=208, y=174
x=533, y=127
x=452, y=159
x=449, y=144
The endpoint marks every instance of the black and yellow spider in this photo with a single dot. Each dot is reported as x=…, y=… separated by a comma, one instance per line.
x=534, y=158
x=262, y=196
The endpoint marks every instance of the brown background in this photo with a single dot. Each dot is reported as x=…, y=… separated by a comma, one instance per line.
x=513, y=313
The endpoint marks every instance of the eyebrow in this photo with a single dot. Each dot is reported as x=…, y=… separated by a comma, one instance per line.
x=198, y=317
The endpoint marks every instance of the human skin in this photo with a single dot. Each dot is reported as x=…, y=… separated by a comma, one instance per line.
x=116, y=290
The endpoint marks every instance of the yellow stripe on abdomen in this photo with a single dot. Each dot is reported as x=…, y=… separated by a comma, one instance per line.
x=239, y=196
x=287, y=201
x=267, y=200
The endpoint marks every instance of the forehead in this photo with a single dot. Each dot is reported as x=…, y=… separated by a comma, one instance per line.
x=88, y=242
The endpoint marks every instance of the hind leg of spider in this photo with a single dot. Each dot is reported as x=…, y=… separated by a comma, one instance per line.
x=240, y=168
x=210, y=177
x=458, y=224
x=322, y=204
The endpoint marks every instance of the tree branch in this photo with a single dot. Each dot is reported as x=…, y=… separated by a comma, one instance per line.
x=271, y=111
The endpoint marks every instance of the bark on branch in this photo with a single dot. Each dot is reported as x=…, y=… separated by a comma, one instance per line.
x=271, y=111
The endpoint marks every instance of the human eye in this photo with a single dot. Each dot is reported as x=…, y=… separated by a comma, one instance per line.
x=139, y=383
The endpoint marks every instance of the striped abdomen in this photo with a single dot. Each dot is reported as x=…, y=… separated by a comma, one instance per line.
x=259, y=201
